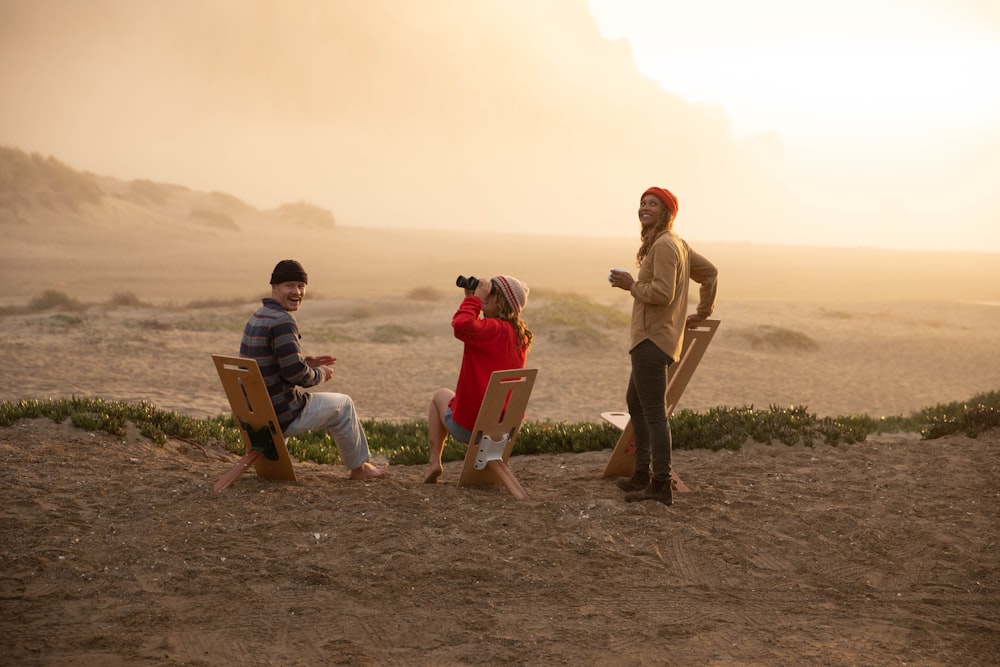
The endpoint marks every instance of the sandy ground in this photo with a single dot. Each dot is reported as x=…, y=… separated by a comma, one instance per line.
x=117, y=552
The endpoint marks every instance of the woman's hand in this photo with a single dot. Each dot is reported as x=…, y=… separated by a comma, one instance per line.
x=693, y=320
x=621, y=278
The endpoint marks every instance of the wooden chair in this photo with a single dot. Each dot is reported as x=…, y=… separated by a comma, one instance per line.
x=254, y=414
x=496, y=429
x=696, y=340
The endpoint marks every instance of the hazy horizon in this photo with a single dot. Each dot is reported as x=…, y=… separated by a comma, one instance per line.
x=499, y=116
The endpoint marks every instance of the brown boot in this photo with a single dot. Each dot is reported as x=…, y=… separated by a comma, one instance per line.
x=656, y=490
x=638, y=482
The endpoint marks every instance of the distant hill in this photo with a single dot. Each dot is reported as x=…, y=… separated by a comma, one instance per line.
x=90, y=235
x=41, y=193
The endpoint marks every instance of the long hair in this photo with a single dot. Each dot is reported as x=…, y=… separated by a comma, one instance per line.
x=506, y=312
x=650, y=234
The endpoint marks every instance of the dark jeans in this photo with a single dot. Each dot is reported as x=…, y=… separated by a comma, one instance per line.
x=647, y=388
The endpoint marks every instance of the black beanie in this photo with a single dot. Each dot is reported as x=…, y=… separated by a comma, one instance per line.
x=288, y=271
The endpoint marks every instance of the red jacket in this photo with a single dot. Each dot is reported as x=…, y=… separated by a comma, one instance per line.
x=491, y=344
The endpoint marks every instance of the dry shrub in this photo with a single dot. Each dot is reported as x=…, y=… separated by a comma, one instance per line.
x=579, y=337
x=572, y=310
x=51, y=299
x=201, y=304
x=777, y=338
x=424, y=294
x=362, y=313
x=124, y=300
x=393, y=333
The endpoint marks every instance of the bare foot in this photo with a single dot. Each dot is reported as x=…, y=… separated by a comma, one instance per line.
x=366, y=471
x=432, y=476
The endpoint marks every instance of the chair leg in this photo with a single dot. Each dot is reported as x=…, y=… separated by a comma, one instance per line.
x=508, y=479
x=677, y=484
x=234, y=473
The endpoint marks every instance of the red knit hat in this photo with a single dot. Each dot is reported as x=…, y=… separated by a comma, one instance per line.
x=665, y=196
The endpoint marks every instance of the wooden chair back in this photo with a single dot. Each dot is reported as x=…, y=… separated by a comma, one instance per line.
x=696, y=340
x=266, y=448
x=497, y=425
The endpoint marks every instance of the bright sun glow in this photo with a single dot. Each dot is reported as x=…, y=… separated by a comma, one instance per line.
x=873, y=68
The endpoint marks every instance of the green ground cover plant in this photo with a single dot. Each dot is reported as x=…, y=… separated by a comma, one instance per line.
x=405, y=443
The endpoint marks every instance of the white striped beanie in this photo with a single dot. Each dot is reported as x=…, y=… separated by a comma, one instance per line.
x=513, y=290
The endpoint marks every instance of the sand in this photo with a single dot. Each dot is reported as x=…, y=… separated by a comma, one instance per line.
x=116, y=551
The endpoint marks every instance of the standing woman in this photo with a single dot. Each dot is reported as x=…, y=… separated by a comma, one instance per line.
x=489, y=322
x=659, y=315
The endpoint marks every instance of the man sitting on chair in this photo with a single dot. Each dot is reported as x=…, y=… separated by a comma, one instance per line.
x=498, y=340
x=271, y=336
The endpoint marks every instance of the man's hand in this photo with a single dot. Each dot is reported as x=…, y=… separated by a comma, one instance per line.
x=324, y=363
x=693, y=320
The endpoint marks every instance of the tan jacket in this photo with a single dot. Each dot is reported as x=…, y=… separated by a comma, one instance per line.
x=660, y=293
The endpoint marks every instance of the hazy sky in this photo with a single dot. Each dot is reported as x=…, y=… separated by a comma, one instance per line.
x=822, y=122
x=817, y=71
x=884, y=107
